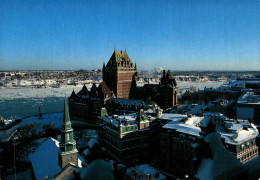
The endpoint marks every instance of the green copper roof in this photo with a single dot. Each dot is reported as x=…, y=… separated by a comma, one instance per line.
x=68, y=142
x=66, y=117
x=118, y=57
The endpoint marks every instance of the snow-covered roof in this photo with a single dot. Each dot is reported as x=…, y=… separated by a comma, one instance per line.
x=233, y=126
x=126, y=119
x=45, y=159
x=245, y=98
x=172, y=117
x=241, y=136
x=130, y=118
x=183, y=128
x=212, y=116
x=215, y=115
x=188, y=126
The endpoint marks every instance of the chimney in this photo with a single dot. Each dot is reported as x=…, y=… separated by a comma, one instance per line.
x=158, y=112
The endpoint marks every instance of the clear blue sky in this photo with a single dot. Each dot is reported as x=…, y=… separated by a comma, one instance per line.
x=174, y=34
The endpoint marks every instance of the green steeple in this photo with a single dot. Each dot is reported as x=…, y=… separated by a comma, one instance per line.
x=67, y=143
x=135, y=66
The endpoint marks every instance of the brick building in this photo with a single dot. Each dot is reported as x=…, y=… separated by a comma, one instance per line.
x=119, y=81
x=120, y=74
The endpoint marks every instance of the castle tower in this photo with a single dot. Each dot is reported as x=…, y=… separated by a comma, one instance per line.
x=68, y=152
x=169, y=89
x=119, y=74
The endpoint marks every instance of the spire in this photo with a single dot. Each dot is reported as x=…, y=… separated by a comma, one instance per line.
x=66, y=117
x=104, y=66
x=67, y=143
x=135, y=66
x=68, y=152
x=84, y=87
x=73, y=95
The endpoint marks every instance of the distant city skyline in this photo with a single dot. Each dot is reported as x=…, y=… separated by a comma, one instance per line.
x=176, y=35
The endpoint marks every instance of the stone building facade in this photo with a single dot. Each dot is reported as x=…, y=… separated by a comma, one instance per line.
x=182, y=145
x=126, y=137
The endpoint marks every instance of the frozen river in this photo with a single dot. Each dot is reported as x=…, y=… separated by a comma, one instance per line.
x=21, y=102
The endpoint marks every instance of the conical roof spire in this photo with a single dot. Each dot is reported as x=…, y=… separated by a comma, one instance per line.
x=67, y=136
x=66, y=117
x=84, y=87
x=73, y=95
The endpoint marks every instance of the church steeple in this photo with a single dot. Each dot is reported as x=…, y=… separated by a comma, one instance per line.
x=68, y=152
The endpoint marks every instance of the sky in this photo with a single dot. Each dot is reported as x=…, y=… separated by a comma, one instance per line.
x=175, y=34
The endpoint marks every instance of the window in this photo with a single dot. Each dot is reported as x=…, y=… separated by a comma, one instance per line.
x=68, y=136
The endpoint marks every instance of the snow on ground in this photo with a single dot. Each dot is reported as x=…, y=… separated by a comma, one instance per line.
x=54, y=119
